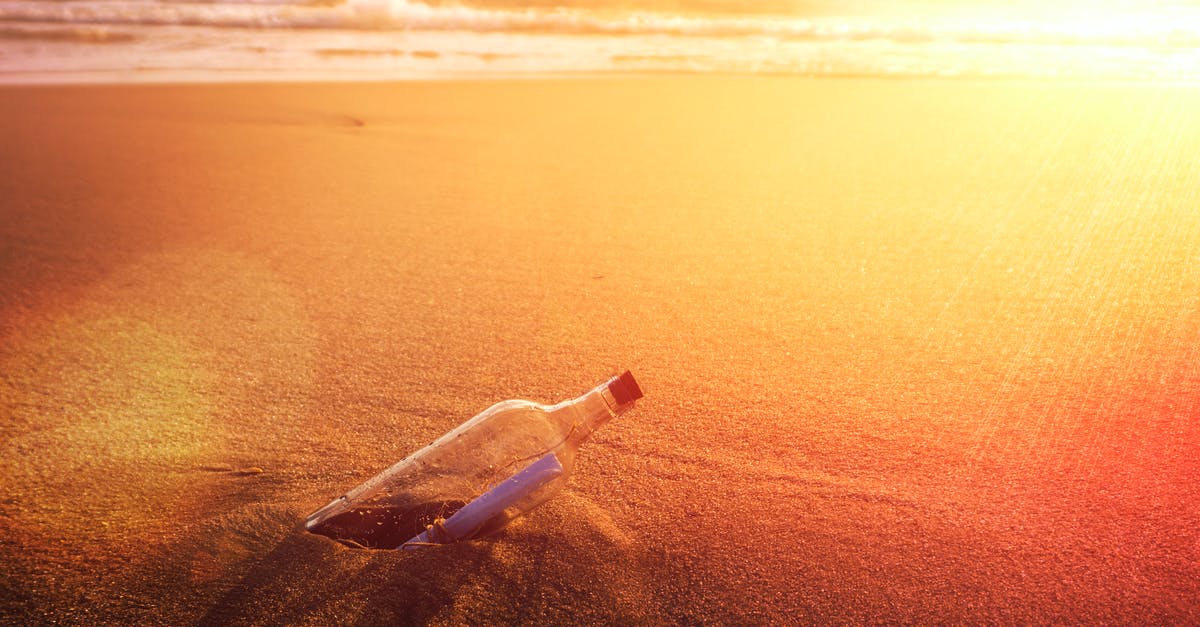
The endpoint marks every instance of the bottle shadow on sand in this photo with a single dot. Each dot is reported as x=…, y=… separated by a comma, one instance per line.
x=308, y=577
x=259, y=565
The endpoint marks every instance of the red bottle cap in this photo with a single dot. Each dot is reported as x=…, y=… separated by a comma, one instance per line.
x=625, y=389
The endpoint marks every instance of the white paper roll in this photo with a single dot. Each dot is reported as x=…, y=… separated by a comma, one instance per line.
x=475, y=514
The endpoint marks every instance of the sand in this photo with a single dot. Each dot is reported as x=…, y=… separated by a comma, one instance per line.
x=912, y=350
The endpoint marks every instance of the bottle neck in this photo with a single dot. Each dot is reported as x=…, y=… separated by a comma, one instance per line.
x=592, y=410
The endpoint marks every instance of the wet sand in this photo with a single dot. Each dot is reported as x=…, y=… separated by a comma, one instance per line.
x=912, y=350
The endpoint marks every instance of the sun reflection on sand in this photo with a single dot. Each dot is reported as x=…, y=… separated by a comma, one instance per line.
x=915, y=351
x=126, y=390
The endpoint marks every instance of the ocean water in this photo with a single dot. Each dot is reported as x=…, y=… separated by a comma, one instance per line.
x=151, y=40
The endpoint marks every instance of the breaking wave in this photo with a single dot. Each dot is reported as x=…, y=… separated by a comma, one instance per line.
x=81, y=34
x=413, y=16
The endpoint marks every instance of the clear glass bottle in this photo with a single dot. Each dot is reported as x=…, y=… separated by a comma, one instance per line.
x=477, y=478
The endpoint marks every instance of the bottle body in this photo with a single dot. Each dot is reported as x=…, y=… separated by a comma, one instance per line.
x=471, y=461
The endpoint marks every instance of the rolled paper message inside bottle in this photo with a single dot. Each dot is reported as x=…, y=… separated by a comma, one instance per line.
x=474, y=515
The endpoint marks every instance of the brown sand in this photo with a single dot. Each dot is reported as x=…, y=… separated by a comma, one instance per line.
x=912, y=351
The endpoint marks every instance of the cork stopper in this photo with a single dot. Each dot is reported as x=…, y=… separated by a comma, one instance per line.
x=625, y=389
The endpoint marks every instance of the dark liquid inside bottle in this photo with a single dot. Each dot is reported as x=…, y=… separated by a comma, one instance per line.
x=384, y=527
